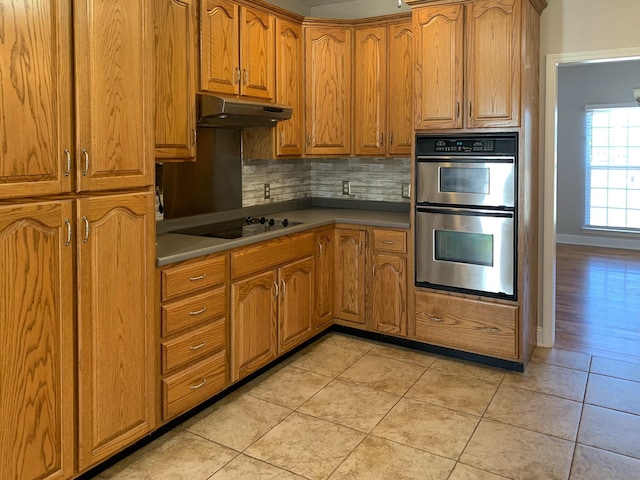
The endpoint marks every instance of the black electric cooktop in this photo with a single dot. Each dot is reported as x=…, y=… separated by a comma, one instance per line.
x=238, y=227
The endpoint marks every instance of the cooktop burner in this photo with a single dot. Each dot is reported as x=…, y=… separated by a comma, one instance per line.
x=238, y=227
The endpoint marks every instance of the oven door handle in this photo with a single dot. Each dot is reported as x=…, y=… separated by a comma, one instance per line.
x=472, y=212
x=466, y=159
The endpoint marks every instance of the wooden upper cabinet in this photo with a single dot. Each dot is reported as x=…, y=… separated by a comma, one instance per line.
x=237, y=50
x=176, y=65
x=370, y=90
x=478, y=42
x=493, y=63
x=36, y=332
x=114, y=114
x=220, y=55
x=36, y=157
x=439, y=66
x=116, y=336
x=257, y=53
x=328, y=90
x=400, y=88
x=289, y=66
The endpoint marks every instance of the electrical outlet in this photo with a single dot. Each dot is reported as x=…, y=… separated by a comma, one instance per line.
x=346, y=187
x=406, y=190
x=267, y=190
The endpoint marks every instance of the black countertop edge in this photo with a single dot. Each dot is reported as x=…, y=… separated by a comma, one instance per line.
x=168, y=225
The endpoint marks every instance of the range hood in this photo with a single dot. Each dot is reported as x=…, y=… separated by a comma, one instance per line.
x=225, y=112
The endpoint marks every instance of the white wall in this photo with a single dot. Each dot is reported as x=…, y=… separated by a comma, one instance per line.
x=359, y=9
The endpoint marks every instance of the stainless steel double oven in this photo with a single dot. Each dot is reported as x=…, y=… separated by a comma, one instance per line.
x=466, y=213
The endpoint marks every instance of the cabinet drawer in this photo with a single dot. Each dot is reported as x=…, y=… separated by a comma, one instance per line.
x=193, y=345
x=470, y=325
x=188, y=388
x=389, y=240
x=266, y=255
x=193, y=276
x=190, y=311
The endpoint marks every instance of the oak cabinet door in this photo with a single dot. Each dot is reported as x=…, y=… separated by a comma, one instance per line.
x=350, y=275
x=295, y=303
x=328, y=90
x=493, y=63
x=254, y=323
x=36, y=341
x=439, y=66
x=387, y=296
x=220, y=55
x=36, y=157
x=324, y=277
x=116, y=342
x=257, y=53
x=400, y=97
x=176, y=65
x=370, y=90
x=114, y=115
x=289, y=66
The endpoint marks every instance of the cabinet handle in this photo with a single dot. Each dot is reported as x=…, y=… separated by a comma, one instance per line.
x=198, y=312
x=435, y=319
x=319, y=249
x=457, y=110
x=195, y=136
x=284, y=287
x=275, y=285
x=198, y=347
x=470, y=110
x=374, y=270
x=381, y=138
x=281, y=139
x=388, y=242
x=68, y=155
x=309, y=139
x=86, y=162
x=86, y=229
x=492, y=329
x=237, y=80
x=68, y=241
x=359, y=247
x=199, y=277
x=246, y=76
x=200, y=385
x=390, y=138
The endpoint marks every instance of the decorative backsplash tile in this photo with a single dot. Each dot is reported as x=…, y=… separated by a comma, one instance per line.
x=373, y=179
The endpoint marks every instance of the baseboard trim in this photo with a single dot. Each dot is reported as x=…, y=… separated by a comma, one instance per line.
x=598, y=241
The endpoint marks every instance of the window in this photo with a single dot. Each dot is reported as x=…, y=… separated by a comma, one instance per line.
x=613, y=169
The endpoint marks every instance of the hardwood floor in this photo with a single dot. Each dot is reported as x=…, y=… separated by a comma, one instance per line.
x=598, y=301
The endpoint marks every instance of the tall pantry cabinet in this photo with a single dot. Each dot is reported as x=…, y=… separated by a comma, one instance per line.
x=76, y=234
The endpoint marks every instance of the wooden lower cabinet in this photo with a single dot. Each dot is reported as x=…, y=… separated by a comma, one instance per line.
x=350, y=275
x=116, y=348
x=36, y=337
x=254, y=323
x=193, y=332
x=271, y=301
x=465, y=324
x=324, y=277
x=387, y=295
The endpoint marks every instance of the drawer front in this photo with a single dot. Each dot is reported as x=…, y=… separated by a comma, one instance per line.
x=193, y=276
x=177, y=316
x=266, y=255
x=192, y=386
x=193, y=345
x=474, y=326
x=389, y=240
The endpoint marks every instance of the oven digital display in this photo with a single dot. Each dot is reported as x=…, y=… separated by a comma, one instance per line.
x=464, y=180
x=464, y=247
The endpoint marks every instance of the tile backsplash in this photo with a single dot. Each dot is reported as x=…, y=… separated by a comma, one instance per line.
x=372, y=179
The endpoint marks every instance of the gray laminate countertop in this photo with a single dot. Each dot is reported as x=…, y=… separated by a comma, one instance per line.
x=173, y=247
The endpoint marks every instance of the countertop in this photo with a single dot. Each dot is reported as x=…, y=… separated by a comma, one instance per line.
x=173, y=247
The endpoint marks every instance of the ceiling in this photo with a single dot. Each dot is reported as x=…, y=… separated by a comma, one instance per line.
x=317, y=3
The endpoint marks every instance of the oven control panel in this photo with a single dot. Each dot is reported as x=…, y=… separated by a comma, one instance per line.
x=484, y=145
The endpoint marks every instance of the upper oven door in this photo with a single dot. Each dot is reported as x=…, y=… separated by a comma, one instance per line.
x=482, y=181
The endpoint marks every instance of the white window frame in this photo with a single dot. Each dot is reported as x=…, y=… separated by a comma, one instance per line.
x=630, y=191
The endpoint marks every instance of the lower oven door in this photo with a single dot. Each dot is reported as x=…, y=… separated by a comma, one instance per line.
x=467, y=250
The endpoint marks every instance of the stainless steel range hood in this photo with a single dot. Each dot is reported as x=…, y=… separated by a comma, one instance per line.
x=225, y=112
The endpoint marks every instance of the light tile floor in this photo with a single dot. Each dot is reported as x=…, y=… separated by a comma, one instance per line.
x=348, y=408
